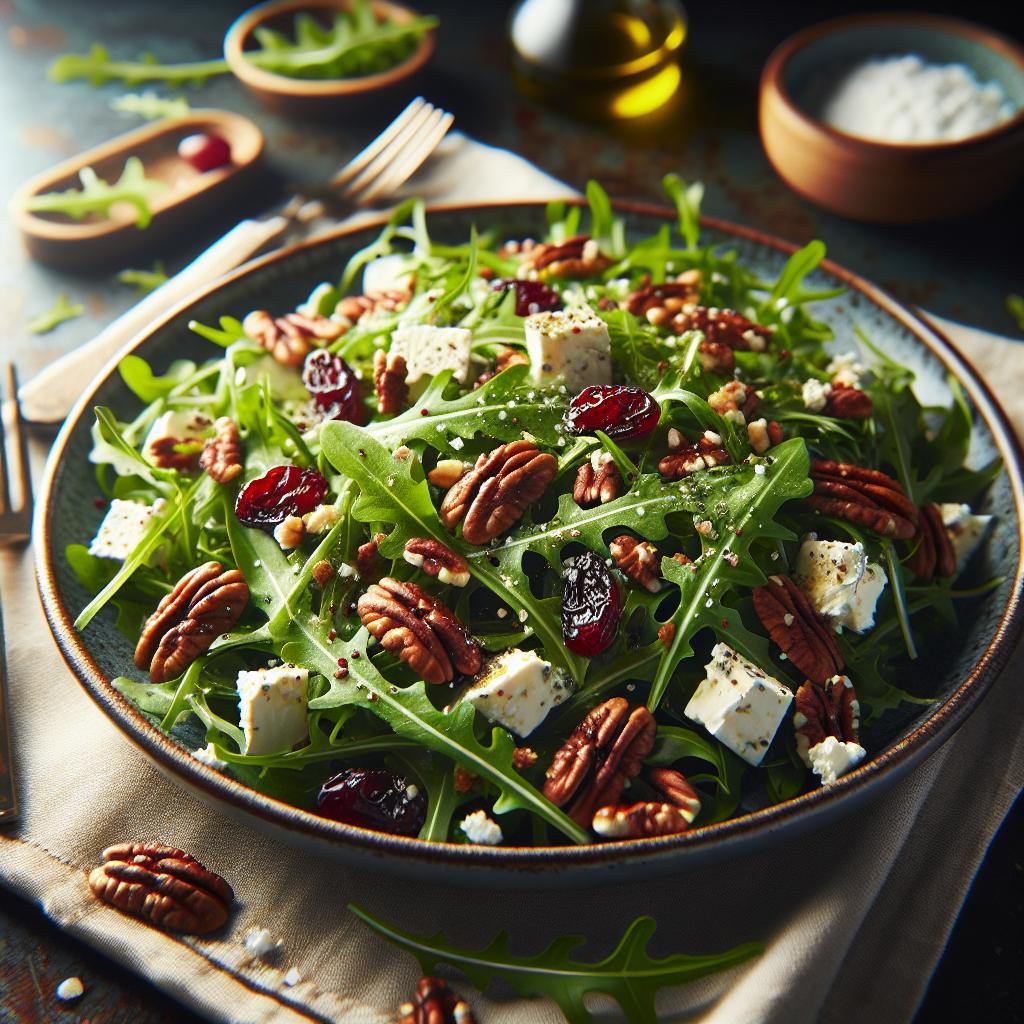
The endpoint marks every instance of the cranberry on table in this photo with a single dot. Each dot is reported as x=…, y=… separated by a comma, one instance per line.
x=531, y=296
x=282, y=491
x=621, y=412
x=591, y=605
x=373, y=798
x=204, y=151
x=334, y=387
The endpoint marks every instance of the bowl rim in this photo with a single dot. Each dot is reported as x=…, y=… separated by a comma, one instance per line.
x=258, y=79
x=773, y=79
x=723, y=837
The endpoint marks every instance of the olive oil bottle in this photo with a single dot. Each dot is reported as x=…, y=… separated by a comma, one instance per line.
x=599, y=59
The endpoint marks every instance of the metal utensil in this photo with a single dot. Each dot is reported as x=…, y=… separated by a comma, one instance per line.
x=372, y=175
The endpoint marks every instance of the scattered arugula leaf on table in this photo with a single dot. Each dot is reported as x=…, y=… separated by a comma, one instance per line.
x=60, y=312
x=97, y=68
x=151, y=106
x=144, y=281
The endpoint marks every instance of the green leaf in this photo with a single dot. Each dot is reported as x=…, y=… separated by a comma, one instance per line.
x=61, y=311
x=629, y=975
x=148, y=387
x=97, y=68
x=99, y=196
x=151, y=106
x=687, y=198
x=1015, y=307
x=144, y=281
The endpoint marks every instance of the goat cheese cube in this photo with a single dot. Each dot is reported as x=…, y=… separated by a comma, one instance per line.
x=517, y=689
x=481, y=829
x=428, y=350
x=273, y=705
x=123, y=527
x=387, y=274
x=740, y=705
x=840, y=582
x=832, y=757
x=965, y=529
x=571, y=344
x=182, y=424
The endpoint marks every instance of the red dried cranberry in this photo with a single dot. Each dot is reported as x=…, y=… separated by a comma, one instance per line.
x=281, y=492
x=531, y=296
x=591, y=605
x=333, y=386
x=621, y=412
x=205, y=152
x=373, y=798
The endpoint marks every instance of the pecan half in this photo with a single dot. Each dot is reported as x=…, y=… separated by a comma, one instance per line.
x=222, y=456
x=934, y=552
x=205, y=603
x=652, y=818
x=658, y=303
x=389, y=371
x=367, y=562
x=437, y=559
x=523, y=758
x=290, y=338
x=435, y=1003
x=723, y=327
x=685, y=457
x=506, y=357
x=825, y=710
x=420, y=630
x=180, y=453
x=604, y=752
x=867, y=497
x=496, y=492
x=638, y=560
x=165, y=886
x=847, y=403
x=323, y=573
x=734, y=397
x=355, y=307
x=795, y=626
x=596, y=485
x=575, y=258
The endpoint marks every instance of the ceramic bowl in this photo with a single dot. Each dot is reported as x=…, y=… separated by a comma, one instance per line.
x=315, y=97
x=882, y=181
x=958, y=677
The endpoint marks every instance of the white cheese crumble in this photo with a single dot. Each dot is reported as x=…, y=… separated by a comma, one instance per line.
x=321, y=519
x=965, y=529
x=70, y=989
x=845, y=370
x=832, y=757
x=293, y=977
x=123, y=528
x=481, y=829
x=428, y=350
x=840, y=582
x=260, y=943
x=815, y=394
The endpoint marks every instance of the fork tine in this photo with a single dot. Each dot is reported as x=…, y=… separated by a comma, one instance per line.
x=410, y=160
x=361, y=159
x=5, y=491
x=22, y=469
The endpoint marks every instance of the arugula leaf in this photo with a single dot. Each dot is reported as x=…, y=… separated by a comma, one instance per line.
x=151, y=106
x=146, y=385
x=97, y=68
x=61, y=311
x=99, y=196
x=629, y=975
x=687, y=198
x=1015, y=307
x=144, y=281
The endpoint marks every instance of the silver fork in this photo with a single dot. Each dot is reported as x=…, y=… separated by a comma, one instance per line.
x=15, y=527
x=373, y=174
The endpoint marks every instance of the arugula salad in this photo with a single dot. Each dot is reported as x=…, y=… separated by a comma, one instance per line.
x=534, y=541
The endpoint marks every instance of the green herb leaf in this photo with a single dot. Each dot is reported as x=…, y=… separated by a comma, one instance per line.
x=687, y=198
x=144, y=281
x=97, y=68
x=62, y=310
x=151, y=106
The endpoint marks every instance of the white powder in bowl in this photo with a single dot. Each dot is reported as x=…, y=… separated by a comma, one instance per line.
x=903, y=99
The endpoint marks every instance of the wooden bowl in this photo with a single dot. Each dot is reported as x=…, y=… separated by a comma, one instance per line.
x=313, y=97
x=190, y=195
x=882, y=181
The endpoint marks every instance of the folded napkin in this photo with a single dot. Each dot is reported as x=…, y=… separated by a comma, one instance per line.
x=853, y=918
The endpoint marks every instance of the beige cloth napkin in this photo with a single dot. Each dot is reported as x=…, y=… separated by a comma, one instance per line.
x=853, y=919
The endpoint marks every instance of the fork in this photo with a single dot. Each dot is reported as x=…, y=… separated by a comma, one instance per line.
x=373, y=174
x=15, y=527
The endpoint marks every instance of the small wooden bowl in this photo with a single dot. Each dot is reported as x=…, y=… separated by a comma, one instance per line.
x=882, y=181
x=313, y=97
x=190, y=195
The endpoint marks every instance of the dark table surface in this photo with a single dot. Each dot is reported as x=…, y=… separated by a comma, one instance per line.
x=961, y=269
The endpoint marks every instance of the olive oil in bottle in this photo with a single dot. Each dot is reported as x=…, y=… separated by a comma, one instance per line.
x=599, y=59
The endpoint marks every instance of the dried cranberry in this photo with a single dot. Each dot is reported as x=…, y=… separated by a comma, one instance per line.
x=621, y=412
x=281, y=492
x=333, y=386
x=373, y=798
x=205, y=152
x=531, y=296
x=591, y=605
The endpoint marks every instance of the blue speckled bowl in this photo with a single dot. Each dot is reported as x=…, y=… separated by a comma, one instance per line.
x=282, y=280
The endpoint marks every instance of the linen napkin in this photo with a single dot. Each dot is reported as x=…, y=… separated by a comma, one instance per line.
x=853, y=918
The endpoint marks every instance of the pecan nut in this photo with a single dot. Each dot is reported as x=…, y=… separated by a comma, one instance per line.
x=506, y=357
x=637, y=560
x=934, y=553
x=420, y=630
x=496, y=492
x=866, y=497
x=667, y=633
x=290, y=338
x=389, y=372
x=598, y=481
x=685, y=457
x=848, y=403
x=165, y=886
x=437, y=559
x=795, y=626
x=723, y=327
x=826, y=710
x=604, y=752
x=735, y=401
x=205, y=603
x=367, y=560
x=674, y=814
x=716, y=357
x=435, y=1003
x=354, y=307
x=574, y=259
x=222, y=456
x=658, y=303
x=180, y=453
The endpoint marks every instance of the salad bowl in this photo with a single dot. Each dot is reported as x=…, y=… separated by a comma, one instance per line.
x=955, y=678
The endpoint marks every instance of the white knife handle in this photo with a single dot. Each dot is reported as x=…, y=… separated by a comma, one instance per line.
x=49, y=396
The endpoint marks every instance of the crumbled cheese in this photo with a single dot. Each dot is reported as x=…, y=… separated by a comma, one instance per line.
x=572, y=344
x=966, y=530
x=481, y=829
x=832, y=757
x=123, y=528
x=845, y=370
x=292, y=978
x=815, y=394
x=273, y=708
x=428, y=350
x=70, y=989
x=209, y=757
x=260, y=943
x=321, y=519
x=840, y=582
x=387, y=274
x=757, y=435
x=517, y=689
